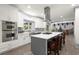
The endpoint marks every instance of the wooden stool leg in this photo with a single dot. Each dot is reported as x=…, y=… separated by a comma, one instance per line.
x=60, y=44
x=63, y=41
x=57, y=52
x=54, y=52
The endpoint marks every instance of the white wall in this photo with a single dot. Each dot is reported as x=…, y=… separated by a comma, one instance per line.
x=76, y=29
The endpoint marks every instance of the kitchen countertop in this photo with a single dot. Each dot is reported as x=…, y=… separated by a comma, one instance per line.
x=46, y=36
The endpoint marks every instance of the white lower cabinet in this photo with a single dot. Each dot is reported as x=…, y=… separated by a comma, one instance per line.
x=3, y=47
x=22, y=40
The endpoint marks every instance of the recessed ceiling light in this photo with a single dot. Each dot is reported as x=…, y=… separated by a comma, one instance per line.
x=73, y=4
x=28, y=6
x=42, y=14
x=61, y=16
x=31, y=13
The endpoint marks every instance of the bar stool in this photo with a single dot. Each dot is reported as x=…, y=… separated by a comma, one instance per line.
x=63, y=37
x=54, y=46
x=60, y=42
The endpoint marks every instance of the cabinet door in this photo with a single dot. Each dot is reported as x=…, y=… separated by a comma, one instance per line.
x=4, y=47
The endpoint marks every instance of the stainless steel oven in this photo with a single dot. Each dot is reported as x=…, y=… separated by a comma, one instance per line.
x=9, y=35
x=8, y=25
x=9, y=31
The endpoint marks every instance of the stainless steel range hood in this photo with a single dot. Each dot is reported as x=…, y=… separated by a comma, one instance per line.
x=47, y=18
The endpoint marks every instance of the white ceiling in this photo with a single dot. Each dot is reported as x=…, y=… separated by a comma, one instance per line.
x=57, y=10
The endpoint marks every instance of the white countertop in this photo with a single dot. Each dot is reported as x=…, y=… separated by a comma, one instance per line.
x=46, y=36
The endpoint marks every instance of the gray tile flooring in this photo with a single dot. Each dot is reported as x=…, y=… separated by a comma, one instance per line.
x=68, y=49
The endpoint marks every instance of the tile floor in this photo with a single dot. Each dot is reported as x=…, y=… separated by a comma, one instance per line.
x=68, y=49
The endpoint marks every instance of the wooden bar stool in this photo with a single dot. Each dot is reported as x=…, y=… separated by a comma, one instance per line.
x=60, y=42
x=63, y=37
x=54, y=46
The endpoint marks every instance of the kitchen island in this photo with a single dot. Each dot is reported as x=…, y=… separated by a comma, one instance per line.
x=39, y=42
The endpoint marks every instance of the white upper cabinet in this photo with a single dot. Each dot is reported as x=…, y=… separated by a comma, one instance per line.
x=8, y=13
